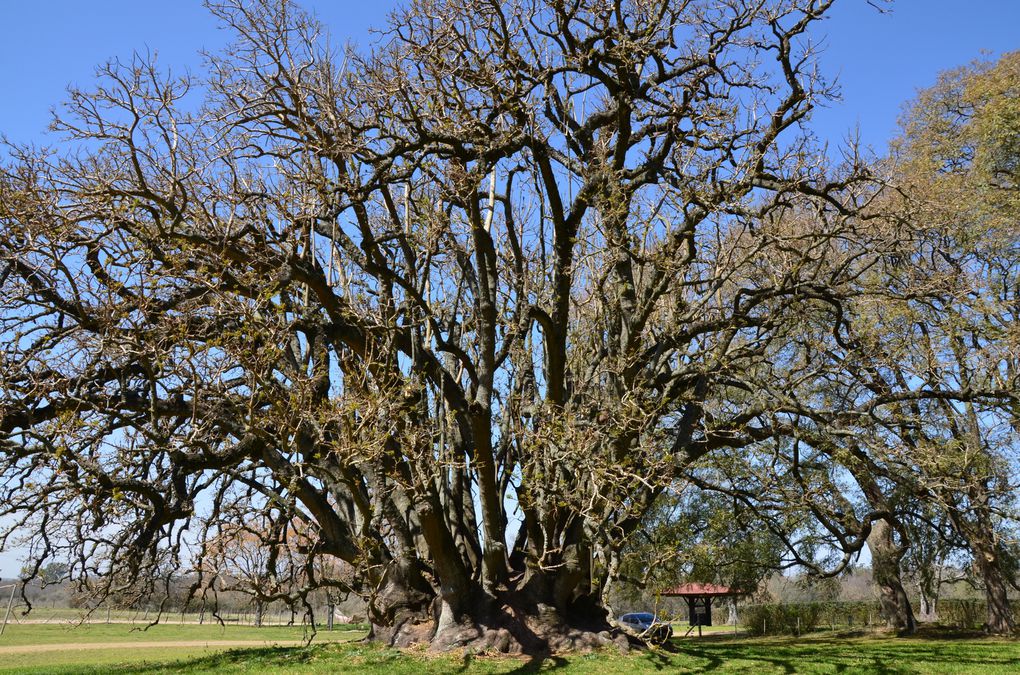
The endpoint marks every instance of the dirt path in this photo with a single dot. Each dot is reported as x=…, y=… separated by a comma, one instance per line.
x=75, y=646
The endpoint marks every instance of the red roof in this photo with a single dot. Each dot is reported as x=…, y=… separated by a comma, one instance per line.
x=700, y=589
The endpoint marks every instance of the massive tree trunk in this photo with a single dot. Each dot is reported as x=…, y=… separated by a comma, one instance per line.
x=526, y=618
x=1000, y=612
x=399, y=613
x=885, y=570
x=972, y=513
x=443, y=602
x=886, y=552
x=976, y=527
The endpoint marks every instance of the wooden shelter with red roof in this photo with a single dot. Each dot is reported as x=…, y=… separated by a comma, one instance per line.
x=699, y=600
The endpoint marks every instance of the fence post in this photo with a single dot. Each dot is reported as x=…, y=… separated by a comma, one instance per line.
x=10, y=604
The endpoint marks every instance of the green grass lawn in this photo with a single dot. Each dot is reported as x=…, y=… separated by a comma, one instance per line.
x=717, y=654
x=135, y=648
x=104, y=660
x=48, y=634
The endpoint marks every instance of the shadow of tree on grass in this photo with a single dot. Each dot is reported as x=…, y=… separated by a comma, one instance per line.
x=813, y=654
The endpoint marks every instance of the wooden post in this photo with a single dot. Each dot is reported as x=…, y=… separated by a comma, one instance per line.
x=10, y=604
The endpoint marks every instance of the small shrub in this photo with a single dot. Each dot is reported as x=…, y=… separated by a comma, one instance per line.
x=773, y=619
x=965, y=614
x=792, y=619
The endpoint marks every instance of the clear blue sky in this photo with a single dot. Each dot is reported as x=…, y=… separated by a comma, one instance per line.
x=881, y=59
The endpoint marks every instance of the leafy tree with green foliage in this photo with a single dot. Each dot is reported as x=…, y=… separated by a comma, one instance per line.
x=957, y=170
x=691, y=535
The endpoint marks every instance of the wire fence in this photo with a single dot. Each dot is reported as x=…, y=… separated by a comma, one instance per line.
x=321, y=618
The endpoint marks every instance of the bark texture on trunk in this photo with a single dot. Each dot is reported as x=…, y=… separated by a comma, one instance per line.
x=488, y=626
x=885, y=570
x=523, y=620
x=1000, y=612
x=977, y=527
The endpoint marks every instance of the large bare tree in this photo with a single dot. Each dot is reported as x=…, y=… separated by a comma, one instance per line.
x=456, y=311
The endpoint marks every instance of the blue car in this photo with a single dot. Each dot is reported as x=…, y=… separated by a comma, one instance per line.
x=645, y=626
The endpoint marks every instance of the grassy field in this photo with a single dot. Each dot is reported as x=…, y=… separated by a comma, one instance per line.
x=48, y=634
x=71, y=649
x=717, y=654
